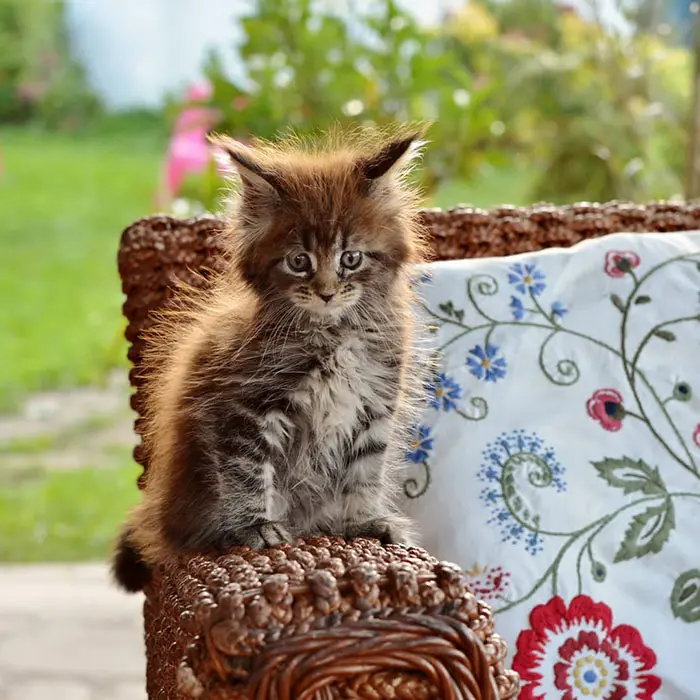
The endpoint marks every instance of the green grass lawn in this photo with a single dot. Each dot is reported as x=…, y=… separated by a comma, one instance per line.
x=64, y=515
x=64, y=199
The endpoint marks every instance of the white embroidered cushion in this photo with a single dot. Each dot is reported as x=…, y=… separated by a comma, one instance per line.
x=559, y=459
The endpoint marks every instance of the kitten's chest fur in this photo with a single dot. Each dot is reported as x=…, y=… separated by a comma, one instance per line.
x=352, y=386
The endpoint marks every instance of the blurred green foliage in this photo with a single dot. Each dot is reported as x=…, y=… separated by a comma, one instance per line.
x=64, y=201
x=39, y=79
x=595, y=114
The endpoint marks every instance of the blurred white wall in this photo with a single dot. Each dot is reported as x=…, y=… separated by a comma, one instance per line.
x=138, y=51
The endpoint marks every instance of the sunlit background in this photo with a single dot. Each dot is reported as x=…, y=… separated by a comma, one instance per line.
x=103, y=110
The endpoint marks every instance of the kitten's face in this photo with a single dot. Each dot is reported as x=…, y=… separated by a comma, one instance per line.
x=327, y=281
x=326, y=233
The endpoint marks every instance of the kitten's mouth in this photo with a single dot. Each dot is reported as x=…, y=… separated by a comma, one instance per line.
x=325, y=312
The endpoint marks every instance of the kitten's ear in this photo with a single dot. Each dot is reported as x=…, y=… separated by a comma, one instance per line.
x=393, y=157
x=253, y=173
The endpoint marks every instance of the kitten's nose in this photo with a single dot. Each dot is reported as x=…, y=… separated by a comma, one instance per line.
x=326, y=297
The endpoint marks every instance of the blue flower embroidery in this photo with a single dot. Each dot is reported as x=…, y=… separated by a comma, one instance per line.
x=516, y=306
x=444, y=392
x=558, y=309
x=420, y=445
x=517, y=458
x=527, y=278
x=484, y=363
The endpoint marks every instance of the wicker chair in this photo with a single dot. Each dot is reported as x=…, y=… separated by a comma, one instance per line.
x=328, y=619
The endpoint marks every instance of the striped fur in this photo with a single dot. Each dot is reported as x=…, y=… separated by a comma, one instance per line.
x=279, y=403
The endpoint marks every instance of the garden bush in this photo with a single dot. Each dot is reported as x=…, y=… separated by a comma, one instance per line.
x=594, y=114
x=39, y=78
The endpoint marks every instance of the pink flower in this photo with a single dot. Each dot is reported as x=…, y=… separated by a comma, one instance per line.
x=240, y=102
x=696, y=435
x=199, y=92
x=572, y=652
x=30, y=92
x=619, y=262
x=188, y=150
x=605, y=406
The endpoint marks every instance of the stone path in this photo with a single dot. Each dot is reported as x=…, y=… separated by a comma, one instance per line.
x=69, y=429
x=67, y=634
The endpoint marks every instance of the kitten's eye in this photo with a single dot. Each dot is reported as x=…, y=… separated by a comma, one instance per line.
x=299, y=262
x=351, y=259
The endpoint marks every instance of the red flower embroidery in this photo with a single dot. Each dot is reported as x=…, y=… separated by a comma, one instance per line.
x=605, y=406
x=696, y=435
x=619, y=262
x=575, y=652
x=488, y=584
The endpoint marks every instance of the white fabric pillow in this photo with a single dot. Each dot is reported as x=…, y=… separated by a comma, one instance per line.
x=559, y=459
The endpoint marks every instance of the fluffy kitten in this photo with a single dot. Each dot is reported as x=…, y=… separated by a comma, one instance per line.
x=280, y=405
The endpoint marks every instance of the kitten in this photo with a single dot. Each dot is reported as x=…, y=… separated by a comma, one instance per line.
x=280, y=406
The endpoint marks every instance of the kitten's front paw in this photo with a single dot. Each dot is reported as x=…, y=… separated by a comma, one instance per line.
x=264, y=536
x=392, y=529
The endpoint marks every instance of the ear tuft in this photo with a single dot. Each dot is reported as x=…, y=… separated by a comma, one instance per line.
x=251, y=170
x=393, y=155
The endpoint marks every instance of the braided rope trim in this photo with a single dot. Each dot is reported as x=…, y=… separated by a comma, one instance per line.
x=412, y=656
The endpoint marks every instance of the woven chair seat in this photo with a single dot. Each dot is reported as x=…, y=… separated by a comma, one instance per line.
x=323, y=619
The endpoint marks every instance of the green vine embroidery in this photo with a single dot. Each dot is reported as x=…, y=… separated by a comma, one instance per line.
x=566, y=372
x=651, y=514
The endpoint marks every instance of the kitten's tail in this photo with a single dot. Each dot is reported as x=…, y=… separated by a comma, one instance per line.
x=129, y=569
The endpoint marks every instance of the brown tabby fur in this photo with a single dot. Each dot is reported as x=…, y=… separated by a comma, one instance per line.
x=270, y=415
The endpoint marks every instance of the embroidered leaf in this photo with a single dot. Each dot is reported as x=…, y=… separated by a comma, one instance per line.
x=642, y=299
x=619, y=304
x=448, y=308
x=517, y=504
x=647, y=532
x=685, y=596
x=631, y=476
x=665, y=335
